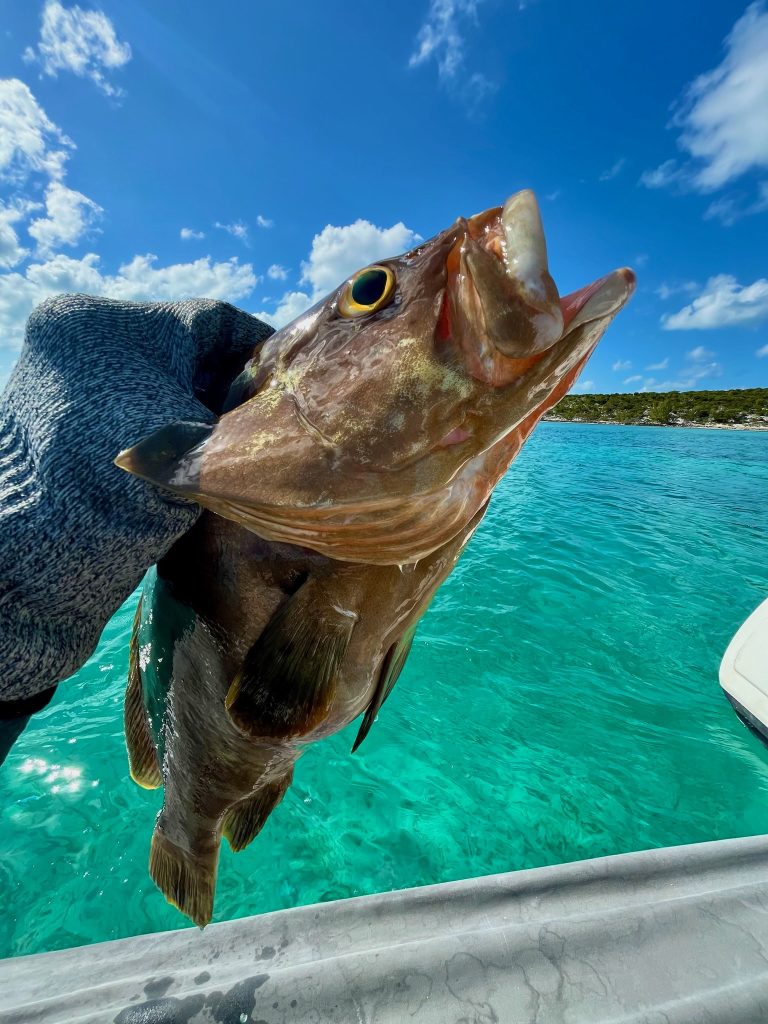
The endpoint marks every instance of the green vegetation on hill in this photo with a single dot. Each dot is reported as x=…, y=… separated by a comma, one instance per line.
x=667, y=407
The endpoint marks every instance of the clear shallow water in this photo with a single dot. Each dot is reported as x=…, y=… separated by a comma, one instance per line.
x=561, y=702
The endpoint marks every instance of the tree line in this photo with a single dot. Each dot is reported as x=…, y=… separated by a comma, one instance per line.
x=736, y=406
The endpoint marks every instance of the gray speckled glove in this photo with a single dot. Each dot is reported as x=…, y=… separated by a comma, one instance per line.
x=76, y=533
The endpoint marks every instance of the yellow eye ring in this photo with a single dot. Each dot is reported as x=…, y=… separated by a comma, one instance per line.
x=367, y=291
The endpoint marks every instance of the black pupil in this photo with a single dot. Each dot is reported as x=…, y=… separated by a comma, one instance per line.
x=369, y=287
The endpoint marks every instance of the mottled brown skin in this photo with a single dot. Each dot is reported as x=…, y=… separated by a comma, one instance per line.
x=376, y=438
x=357, y=456
x=234, y=585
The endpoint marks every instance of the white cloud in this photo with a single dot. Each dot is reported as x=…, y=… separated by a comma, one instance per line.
x=237, y=229
x=665, y=291
x=725, y=209
x=662, y=176
x=291, y=305
x=614, y=169
x=641, y=259
x=634, y=379
x=731, y=208
x=722, y=303
x=441, y=39
x=762, y=352
x=722, y=114
x=30, y=143
x=725, y=111
x=584, y=385
x=699, y=366
x=29, y=140
x=83, y=42
x=338, y=251
x=689, y=377
x=240, y=230
x=11, y=249
x=439, y=36
x=699, y=354
x=552, y=196
x=189, y=233
x=69, y=215
x=140, y=278
x=761, y=203
x=622, y=364
x=277, y=273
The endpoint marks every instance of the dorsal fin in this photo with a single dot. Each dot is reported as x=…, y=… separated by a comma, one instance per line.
x=288, y=679
x=391, y=667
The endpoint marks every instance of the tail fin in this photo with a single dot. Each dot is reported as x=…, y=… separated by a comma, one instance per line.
x=187, y=880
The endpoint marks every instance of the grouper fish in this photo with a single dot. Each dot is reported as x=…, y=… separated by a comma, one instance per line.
x=356, y=454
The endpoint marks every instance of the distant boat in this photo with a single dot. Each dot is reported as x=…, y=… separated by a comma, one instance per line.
x=744, y=672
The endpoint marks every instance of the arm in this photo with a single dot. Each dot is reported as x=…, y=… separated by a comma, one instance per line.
x=77, y=534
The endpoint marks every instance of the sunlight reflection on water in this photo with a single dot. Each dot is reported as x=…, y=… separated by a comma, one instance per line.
x=561, y=702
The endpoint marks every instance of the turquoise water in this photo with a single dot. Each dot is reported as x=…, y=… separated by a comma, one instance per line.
x=561, y=702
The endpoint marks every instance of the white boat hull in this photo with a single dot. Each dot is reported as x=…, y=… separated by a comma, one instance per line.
x=744, y=671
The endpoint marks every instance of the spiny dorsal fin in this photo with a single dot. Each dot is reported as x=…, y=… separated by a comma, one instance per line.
x=142, y=753
x=288, y=679
x=245, y=819
x=391, y=667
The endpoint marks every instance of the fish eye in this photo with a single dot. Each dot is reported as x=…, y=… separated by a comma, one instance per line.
x=367, y=291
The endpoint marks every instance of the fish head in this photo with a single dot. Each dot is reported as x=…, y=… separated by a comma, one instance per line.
x=375, y=425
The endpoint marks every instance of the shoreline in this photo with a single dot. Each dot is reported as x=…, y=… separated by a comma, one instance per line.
x=753, y=427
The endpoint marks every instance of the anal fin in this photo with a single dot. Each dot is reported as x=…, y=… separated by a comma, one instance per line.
x=142, y=753
x=245, y=819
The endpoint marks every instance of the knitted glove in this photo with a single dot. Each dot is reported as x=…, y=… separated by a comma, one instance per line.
x=76, y=533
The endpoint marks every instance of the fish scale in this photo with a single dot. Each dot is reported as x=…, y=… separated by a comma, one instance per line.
x=356, y=457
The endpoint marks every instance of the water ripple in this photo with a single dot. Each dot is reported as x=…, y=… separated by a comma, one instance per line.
x=561, y=702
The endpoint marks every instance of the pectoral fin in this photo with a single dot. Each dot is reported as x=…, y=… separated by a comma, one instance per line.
x=288, y=679
x=142, y=753
x=392, y=666
x=170, y=457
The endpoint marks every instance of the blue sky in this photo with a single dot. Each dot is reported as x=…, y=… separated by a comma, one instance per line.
x=260, y=152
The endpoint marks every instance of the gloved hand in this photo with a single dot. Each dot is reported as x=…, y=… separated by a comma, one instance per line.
x=76, y=533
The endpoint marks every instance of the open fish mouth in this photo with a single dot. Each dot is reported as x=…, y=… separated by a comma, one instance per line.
x=298, y=463
x=502, y=307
